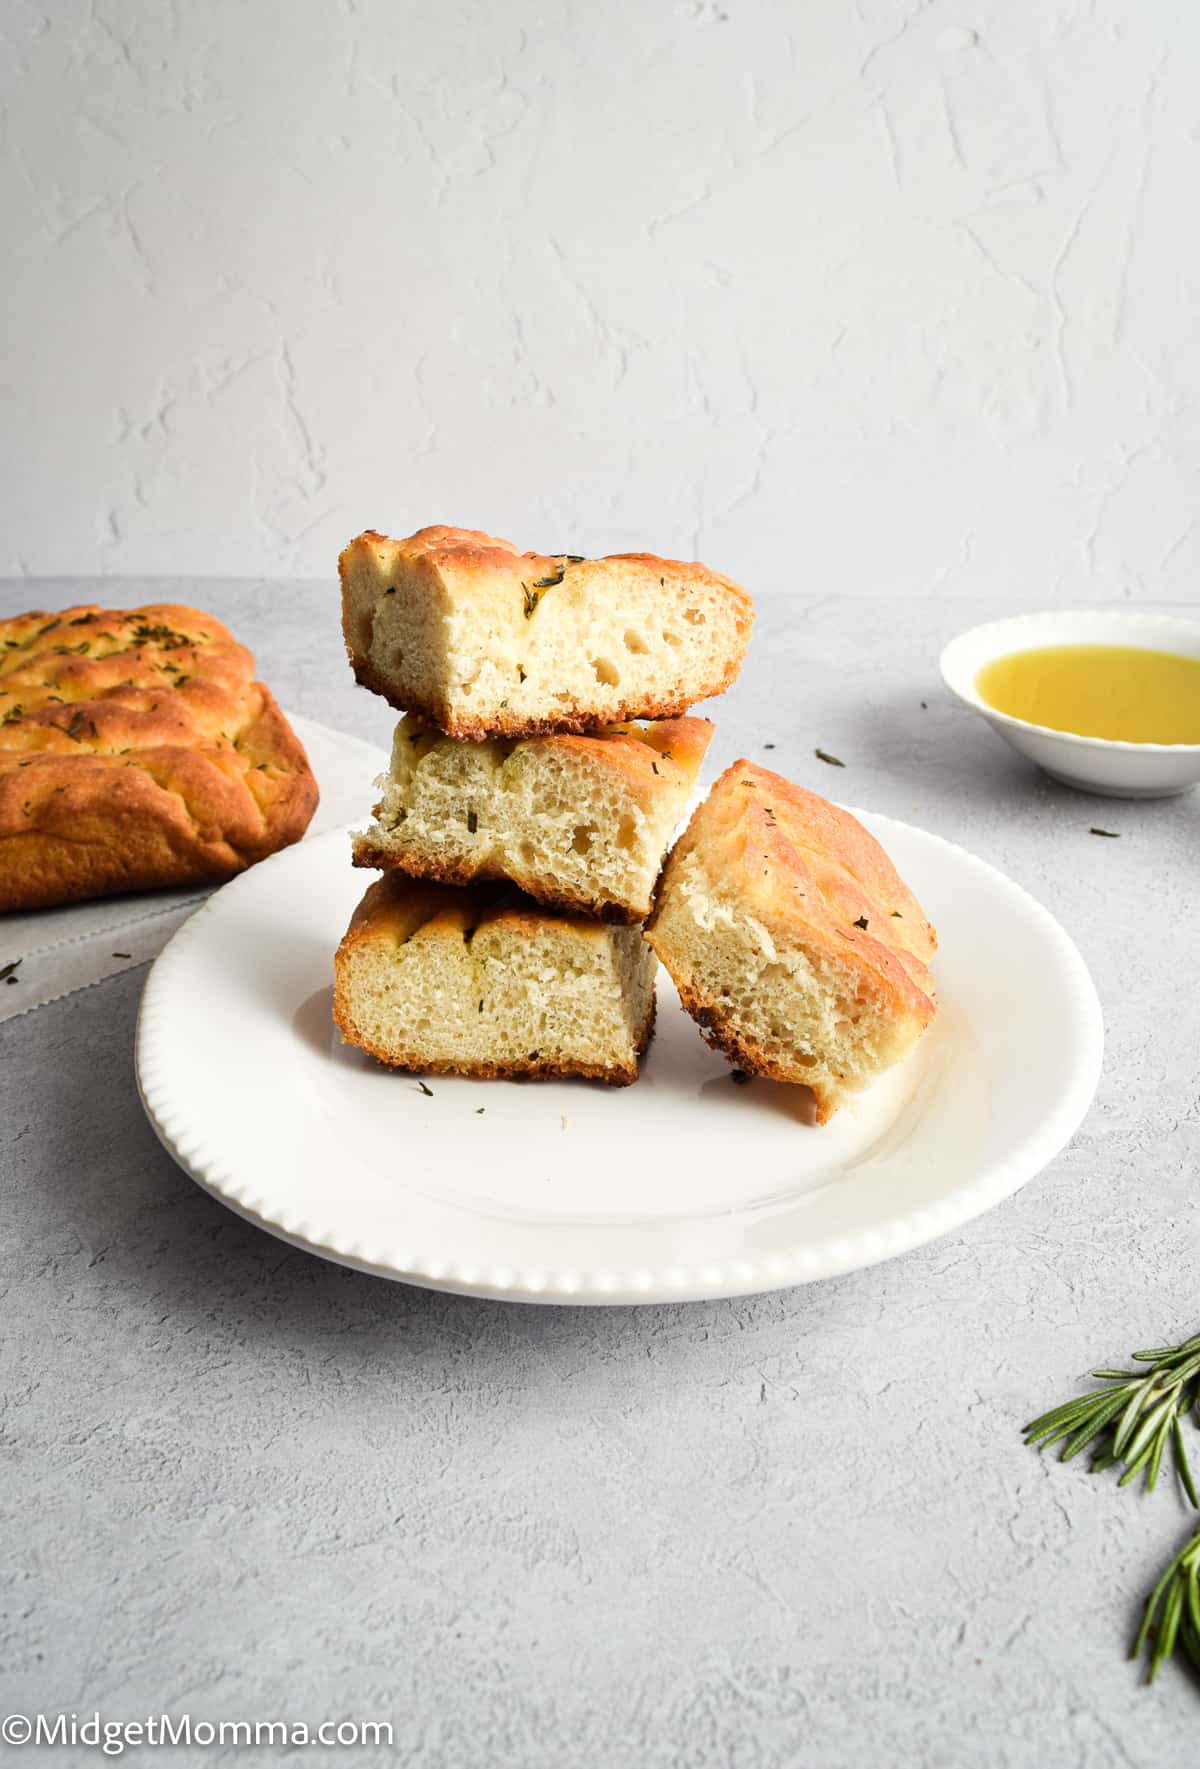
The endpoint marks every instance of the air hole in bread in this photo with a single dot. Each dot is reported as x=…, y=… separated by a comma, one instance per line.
x=626, y=833
x=634, y=642
x=671, y=638
x=605, y=671
x=695, y=617
x=582, y=841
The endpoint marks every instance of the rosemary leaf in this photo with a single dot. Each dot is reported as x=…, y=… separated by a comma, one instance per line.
x=1181, y=1463
x=1130, y=1419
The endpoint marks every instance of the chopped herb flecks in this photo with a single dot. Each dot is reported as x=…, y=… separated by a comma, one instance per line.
x=160, y=635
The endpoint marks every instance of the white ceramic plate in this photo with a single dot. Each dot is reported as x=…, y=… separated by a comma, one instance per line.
x=684, y=1185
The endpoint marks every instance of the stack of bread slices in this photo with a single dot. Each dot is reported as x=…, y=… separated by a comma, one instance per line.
x=526, y=815
x=524, y=822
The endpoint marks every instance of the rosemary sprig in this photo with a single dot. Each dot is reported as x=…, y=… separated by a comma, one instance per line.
x=1133, y=1418
x=1173, y=1612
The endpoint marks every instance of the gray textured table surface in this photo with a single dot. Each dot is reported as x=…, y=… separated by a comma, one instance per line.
x=797, y=1529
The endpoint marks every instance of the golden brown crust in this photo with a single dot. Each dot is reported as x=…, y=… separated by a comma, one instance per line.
x=812, y=874
x=395, y=907
x=136, y=751
x=441, y=541
x=468, y=551
x=642, y=755
x=441, y=870
x=814, y=880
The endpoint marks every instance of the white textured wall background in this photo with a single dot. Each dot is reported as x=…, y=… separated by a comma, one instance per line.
x=894, y=295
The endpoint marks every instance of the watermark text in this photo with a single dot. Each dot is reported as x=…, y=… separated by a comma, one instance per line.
x=112, y=1737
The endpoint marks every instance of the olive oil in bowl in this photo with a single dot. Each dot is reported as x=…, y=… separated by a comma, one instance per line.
x=1118, y=692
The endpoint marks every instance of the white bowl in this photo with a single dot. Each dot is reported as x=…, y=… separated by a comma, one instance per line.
x=1092, y=764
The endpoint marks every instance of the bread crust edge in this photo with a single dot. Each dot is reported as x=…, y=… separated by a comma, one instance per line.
x=454, y=872
x=573, y=720
x=719, y=1033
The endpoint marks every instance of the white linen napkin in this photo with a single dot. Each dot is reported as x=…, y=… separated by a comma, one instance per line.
x=54, y=952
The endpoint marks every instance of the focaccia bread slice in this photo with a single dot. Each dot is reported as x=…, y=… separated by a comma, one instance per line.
x=791, y=938
x=137, y=750
x=488, y=641
x=482, y=981
x=577, y=822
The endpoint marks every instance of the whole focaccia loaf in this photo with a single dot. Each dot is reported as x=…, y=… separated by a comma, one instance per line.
x=137, y=750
